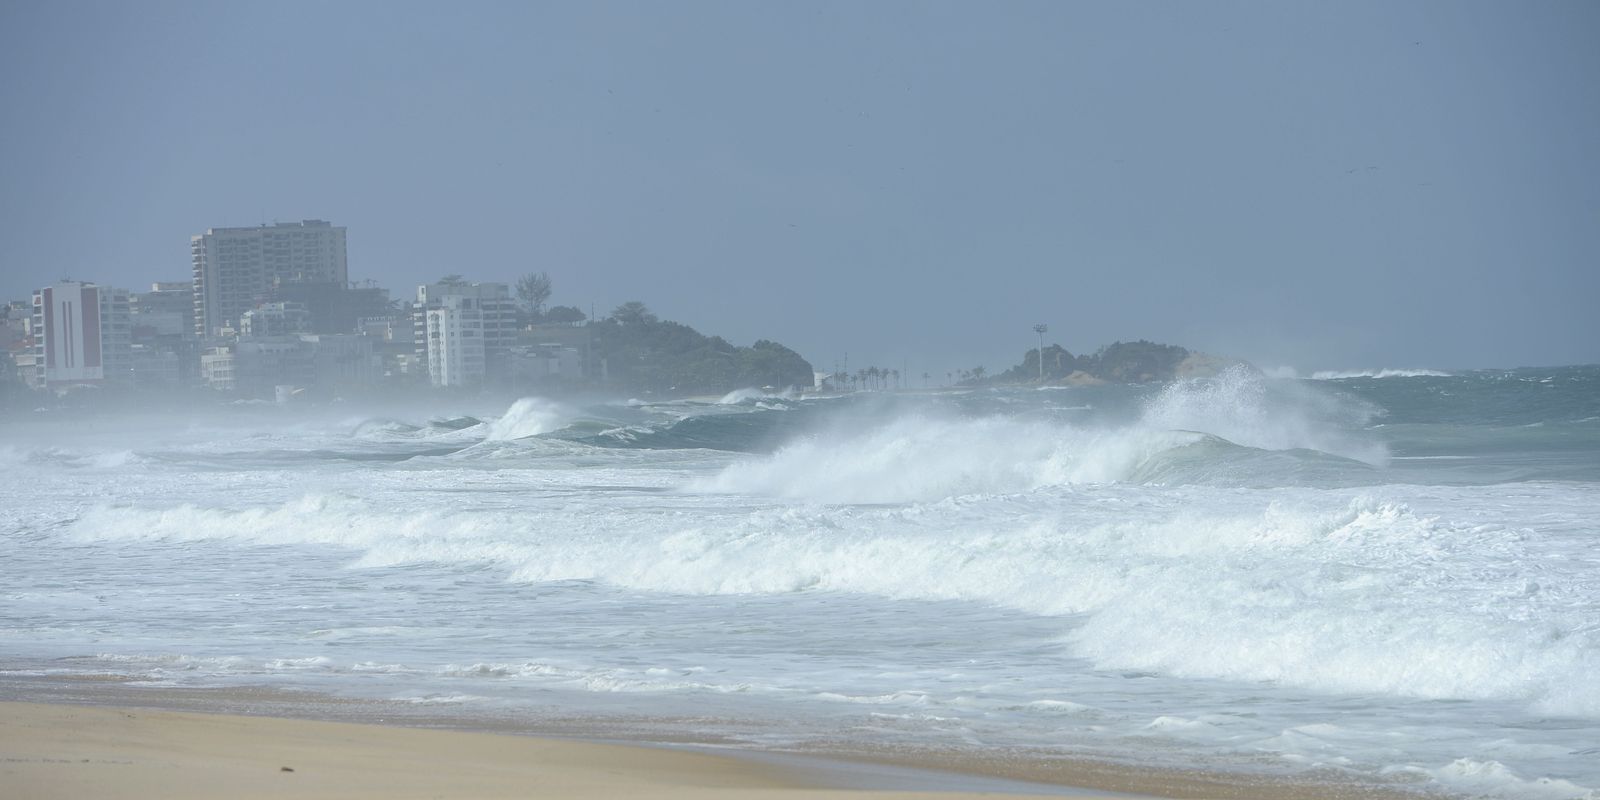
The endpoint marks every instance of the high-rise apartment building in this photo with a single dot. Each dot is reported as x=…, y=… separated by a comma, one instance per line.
x=82, y=334
x=236, y=268
x=455, y=344
x=464, y=331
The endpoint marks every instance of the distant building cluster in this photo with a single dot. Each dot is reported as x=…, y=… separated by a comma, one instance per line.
x=270, y=313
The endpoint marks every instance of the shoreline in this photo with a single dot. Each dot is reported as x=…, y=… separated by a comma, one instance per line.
x=63, y=750
x=844, y=770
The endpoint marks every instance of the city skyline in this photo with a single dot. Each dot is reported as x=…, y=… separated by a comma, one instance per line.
x=1353, y=186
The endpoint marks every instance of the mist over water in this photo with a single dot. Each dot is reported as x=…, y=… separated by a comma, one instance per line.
x=1388, y=574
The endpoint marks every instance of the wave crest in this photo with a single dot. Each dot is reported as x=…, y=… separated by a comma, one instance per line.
x=1255, y=431
x=1336, y=375
x=529, y=416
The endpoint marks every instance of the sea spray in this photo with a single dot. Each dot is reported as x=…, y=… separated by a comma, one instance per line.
x=529, y=416
x=1249, y=409
x=917, y=456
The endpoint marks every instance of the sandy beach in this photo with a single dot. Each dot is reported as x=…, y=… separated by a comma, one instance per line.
x=70, y=751
x=74, y=750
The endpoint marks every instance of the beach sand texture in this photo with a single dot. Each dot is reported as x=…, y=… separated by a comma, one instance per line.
x=69, y=751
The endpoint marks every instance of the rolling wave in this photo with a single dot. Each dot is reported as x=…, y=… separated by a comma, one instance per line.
x=1239, y=429
x=1357, y=594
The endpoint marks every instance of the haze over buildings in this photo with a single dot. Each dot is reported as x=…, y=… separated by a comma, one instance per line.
x=269, y=315
x=1328, y=186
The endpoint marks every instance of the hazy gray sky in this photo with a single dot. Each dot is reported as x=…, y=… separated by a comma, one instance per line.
x=1337, y=185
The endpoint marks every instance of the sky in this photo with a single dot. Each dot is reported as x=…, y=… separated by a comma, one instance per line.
x=912, y=185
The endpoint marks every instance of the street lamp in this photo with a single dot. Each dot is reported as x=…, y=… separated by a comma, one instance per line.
x=1040, y=329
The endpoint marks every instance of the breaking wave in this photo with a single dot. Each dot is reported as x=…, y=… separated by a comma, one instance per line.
x=1364, y=595
x=1237, y=429
x=1335, y=375
x=529, y=416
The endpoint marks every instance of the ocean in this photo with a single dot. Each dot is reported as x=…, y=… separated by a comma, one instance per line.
x=1387, y=577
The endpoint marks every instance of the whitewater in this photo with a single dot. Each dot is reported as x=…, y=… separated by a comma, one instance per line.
x=1386, y=577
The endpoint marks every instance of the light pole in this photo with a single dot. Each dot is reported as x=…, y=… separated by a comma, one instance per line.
x=1040, y=329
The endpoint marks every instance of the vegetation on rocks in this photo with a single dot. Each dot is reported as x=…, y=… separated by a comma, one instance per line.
x=1119, y=362
x=646, y=354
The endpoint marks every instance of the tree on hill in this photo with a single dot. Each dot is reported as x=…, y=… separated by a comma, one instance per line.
x=1058, y=364
x=633, y=312
x=767, y=363
x=533, y=289
x=1138, y=362
x=644, y=353
x=564, y=315
x=1120, y=362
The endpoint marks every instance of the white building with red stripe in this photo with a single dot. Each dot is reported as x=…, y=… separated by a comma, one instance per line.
x=82, y=335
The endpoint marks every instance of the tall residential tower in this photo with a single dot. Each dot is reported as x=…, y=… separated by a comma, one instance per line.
x=236, y=268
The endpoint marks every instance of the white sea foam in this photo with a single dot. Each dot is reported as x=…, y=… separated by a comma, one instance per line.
x=1250, y=410
x=738, y=396
x=168, y=661
x=302, y=663
x=1376, y=599
x=1494, y=779
x=529, y=416
x=917, y=457
x=1368, y=596
x=441, y=699
x=1334, y=375
x=607, y=679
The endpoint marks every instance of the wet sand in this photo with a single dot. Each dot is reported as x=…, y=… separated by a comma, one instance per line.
x=70, y=751
x=102, y=738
